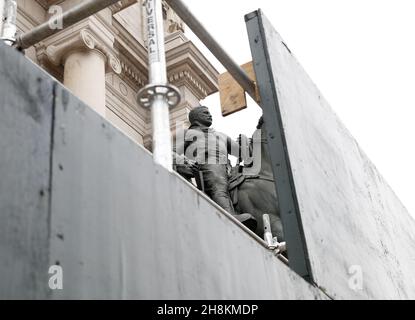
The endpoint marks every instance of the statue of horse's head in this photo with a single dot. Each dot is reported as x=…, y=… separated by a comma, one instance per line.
x=260, y=123
x=260, y=126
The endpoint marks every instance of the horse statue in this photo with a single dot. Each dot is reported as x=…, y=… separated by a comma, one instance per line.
x=254, y=192
x=251, y=187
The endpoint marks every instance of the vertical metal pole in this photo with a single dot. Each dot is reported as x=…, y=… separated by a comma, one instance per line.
x=8, y=24
x=261, y=50
x=2, y=16
x=162, y=145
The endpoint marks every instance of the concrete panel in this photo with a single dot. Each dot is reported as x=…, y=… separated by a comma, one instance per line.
x=123, y=227
x=26, y=99
x=351, y=217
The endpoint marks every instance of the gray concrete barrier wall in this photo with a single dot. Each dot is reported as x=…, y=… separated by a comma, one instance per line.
x=354, y=224
x=76, y=192
x=26, y=99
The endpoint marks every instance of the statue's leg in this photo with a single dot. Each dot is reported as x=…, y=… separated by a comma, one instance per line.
x=216, y=186
x=245, y=204
x=276, y=228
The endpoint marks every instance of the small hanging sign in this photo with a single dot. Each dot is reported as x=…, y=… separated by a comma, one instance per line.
x=153, y=49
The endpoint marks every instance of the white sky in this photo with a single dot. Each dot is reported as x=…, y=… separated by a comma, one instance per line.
x=361, y=55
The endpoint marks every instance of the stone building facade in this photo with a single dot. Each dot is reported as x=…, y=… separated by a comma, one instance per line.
x=103, y=60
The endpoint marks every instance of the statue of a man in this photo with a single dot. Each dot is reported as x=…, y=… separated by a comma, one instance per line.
x=206, y=152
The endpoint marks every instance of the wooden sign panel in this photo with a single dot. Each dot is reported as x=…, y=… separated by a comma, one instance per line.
x=232, y=95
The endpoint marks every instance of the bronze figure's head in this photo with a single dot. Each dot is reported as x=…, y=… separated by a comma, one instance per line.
x=200, y=116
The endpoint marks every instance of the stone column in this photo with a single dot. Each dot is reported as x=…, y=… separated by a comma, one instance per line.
x=85, y=61
x=84, y=75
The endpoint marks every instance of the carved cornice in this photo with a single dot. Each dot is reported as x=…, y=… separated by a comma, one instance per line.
x=172, y=21
x=47, y=3
x=125, y=43
x=133, y=57
x=188, y=77
x=121, y=5
x=84, y=39
x=187, y=65
x=182, y=72
x=132, y=73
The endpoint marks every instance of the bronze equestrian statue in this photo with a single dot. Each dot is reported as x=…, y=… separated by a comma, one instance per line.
x=254, y=191
x=206, y=155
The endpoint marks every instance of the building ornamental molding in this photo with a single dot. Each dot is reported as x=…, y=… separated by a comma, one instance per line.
x=173, y=23
x=132, y=73
x=187, y=66
x=46, y=4
x=82, y=40
x=187, y=76
x=121, y=5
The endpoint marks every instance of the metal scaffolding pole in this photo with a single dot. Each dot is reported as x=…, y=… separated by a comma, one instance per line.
x=2, y=15
x=68, y=18
x=8, y=14
x=158, y=94
x=200, y=31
